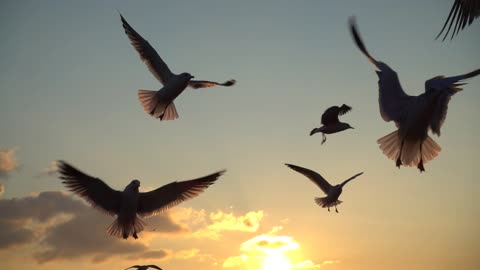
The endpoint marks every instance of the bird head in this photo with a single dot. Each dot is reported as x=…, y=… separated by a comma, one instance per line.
x=187, y=76
x=134, y=185
x=346, y=126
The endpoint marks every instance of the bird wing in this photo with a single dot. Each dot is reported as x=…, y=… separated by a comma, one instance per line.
x=133, y=266
x=154, y=266
x=447, y=86
x=351, y=178
x=203, y=84
x=392, y=99
x=330, y=116
x=93, y=190
x=162, y=198
x=463, y=12
x=148, y=54
x=313, y=176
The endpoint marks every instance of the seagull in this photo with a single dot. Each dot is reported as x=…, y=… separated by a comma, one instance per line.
x=410, y=144
x=144, y=267
x=330, y=121
x=464, y=13
x=333, y=192
x=130, y=204
x=159, y=104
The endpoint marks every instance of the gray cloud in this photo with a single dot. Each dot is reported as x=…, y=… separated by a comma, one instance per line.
x=66, y=228
x=153, y=254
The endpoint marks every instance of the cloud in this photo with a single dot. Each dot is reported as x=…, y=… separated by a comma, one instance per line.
x=50, y=170
x=256, y=250
x=217, y=222
x=151, y=254
x=8, y=162
x=61, y=228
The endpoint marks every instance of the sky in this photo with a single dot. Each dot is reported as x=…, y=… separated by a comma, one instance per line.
x=68, y=90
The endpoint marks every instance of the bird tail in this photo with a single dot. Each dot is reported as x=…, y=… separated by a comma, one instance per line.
x=391, y=144
x=324, y=203
x=124, y=229
x=153, y=104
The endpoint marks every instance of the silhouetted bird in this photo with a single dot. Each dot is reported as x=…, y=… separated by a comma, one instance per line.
x=159, y=104
x=410, y=145
x=330, y=121
x=333, y=192
x=128, y=205
x=463, y=13
x=144, y=267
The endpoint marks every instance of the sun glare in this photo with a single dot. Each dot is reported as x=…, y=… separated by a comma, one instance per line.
x=276, y=261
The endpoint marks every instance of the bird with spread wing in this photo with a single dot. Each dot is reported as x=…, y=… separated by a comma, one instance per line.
x=144, y=267
x=333, y=192
x=463, y=13
x=414, y=116
x=159, y=104
x=330, y=121
x=130, y=204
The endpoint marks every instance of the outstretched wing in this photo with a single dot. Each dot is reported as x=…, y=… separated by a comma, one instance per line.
x=148, y=54
x=350, y=179
x=203, y=84
x=463, y=13
x=167, y=196
x=444, y=88
x=392, y=99
x=93, y=190
x=133, y=266
x=313, y=176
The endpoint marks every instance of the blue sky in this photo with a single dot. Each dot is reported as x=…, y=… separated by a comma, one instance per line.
x=68, y=84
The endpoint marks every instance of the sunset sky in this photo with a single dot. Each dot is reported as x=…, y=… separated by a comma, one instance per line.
x=68, y=90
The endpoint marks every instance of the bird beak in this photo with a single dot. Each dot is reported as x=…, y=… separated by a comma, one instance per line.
x=352, y=127
x=191, y=76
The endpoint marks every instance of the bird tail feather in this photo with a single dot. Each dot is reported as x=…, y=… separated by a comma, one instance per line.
x=391, y=144
x=125, y=229
x=324, y=203
x=153, y=104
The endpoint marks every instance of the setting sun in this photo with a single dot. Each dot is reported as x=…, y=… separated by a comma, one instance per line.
x=276, y=261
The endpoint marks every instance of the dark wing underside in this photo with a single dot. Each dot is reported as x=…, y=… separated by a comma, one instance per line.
x=462, y=13
x=174, y=193
x=93, y=190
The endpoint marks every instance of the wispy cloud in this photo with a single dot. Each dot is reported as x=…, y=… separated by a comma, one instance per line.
x=216, y=223
x=50, y=170
x=8, y=161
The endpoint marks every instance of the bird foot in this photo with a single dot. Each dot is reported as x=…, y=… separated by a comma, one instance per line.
x=324, y=138
x=420, y=166
x=135, y=235
x=329, y=209
x=336, y=210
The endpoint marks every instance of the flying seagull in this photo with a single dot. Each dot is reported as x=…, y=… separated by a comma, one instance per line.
x=410, y=144
x=333, y=192
x=463, y=13
x=159, y=104
x=130, y=204
x=144, y=267
x=330, y=121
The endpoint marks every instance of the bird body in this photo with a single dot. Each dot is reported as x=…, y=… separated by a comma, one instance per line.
x=332, y=192
x=159, y=104
x=331, y=123
x=414, y=116
x=130, y=205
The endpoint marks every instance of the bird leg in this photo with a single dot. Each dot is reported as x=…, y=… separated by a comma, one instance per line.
x=336, y=210
x=135, y=235
x=399, y=159
x=324, y=138
x=420, y=164
x=328, y=209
